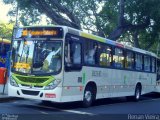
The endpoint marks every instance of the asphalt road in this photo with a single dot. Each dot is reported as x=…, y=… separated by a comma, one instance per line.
x=115, y=108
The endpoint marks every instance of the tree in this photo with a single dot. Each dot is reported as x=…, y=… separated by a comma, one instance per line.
x=136, y=20
x=5, y=30
x=73, y=13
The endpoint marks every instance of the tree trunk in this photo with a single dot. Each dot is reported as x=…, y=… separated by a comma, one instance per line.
x=121, y=21
x=135, y=37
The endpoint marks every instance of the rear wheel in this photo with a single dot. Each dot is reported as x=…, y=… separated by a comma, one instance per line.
x=137, y=94
x=88, y=97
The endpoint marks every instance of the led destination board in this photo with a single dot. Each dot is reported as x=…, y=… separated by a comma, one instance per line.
x=33, y=32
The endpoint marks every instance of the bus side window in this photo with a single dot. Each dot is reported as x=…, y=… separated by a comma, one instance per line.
x=129, y=64
x=139, y=62
x=153, y=67
x=105, y=55
x=90, y=52
x=118, y=58
x=147, y=63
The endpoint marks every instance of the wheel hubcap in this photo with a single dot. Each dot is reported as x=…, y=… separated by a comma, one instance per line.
x=88, y=96
x=137, y=94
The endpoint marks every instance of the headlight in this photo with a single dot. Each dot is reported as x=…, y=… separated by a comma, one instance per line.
x=53, y=84
x=13, y=82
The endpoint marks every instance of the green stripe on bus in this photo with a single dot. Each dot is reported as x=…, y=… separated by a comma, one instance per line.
x=84, y=78
x=86, y=35
x=30, y=80
x=125, y=78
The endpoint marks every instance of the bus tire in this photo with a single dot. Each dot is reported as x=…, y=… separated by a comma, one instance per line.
x=137, y=94
x=88, y=97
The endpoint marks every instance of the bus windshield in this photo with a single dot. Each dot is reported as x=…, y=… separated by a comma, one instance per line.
x=37, y=57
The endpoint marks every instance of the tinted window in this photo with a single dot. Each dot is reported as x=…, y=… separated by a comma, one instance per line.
x=90, y=52
x=105, y=57
x=139, y=62
x=147, y=63
x=129, y=64
x=118, y=58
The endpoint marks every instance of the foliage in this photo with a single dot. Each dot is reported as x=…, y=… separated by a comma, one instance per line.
x=136, y=22
x=6, y=30
x=133, y=21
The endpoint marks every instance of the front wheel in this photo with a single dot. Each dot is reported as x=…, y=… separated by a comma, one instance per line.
x=137, y=94
x=88, y=97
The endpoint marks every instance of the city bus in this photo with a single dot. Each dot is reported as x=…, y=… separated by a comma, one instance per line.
x=63, y=64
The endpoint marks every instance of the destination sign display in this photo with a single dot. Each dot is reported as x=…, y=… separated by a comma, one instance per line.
x=42, y=32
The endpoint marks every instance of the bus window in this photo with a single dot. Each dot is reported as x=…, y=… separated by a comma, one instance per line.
x=129, y=64
x=76, y=53
x=73, y=54
x=158, y=69
x=139, y=62
x=147, y=63
x=90, y=52
x=153, y=67
x=118, y=58
x=105, y=55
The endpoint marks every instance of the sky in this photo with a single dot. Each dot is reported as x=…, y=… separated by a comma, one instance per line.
x=3, y=11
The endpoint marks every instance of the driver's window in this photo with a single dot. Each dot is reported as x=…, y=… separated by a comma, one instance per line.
x=73, y=52
x=76, y=49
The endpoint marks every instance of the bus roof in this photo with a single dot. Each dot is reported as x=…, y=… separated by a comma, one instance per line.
x=5, y=41
x=97, y=38
x=108, y=41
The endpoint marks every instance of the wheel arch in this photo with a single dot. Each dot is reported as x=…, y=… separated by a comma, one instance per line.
x=140, y=85
x=94, y=86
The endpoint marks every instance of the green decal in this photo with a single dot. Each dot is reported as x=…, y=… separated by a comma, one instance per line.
x=90, y=36
x=125, y=78
x=151, y=80
x=84, y=78
x=33, y=80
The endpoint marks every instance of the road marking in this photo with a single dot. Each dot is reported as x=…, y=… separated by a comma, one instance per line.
x=53, y=108
x=43, y=112
x=71, y=111
x=78, y=112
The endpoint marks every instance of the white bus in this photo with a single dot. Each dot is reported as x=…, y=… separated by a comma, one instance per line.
x=62, y=64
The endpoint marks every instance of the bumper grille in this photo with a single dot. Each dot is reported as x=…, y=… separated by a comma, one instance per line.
x=27, y=92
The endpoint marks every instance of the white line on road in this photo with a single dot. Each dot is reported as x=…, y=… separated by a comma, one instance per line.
x=70, y=111
x=53, y=108
x=78, y=112
x=43, y=112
